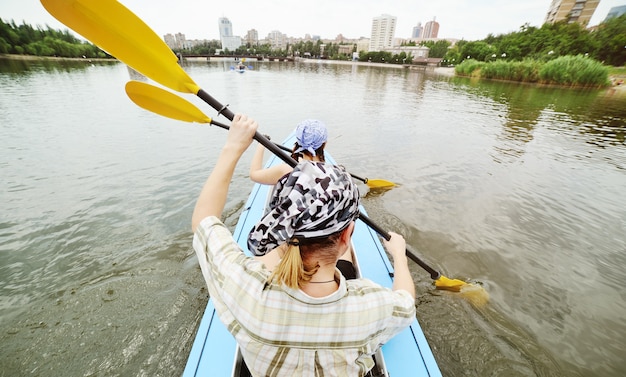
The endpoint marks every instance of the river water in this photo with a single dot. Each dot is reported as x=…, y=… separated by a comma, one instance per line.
x=516, y=188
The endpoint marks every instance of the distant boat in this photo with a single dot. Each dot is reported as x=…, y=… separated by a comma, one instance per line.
x=240, y=68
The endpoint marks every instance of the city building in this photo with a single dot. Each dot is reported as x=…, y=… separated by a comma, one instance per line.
x=170, y=40
x=277, y=40
x=383, y=31
x=362, y=45
x=431, y=29
x=571, y=11
x=177, y=41
x=616, y=12
x=252, y=37
x=346, y=49
x=229, y=41
x=417, y=52
x=417, y=31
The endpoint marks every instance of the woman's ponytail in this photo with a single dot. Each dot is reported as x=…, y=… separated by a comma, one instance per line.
x=290, y=271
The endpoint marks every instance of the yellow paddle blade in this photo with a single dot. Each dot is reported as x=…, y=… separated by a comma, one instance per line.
x=119, y=32
x=379, y=183
x=164, y=103
x=475, y=294
x=454, y=285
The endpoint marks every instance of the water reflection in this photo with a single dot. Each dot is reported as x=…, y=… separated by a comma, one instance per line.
x=596, y=115
x=19, y=67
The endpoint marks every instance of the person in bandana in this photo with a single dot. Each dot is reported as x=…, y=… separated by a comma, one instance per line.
x=311, y=137
x=300, y=316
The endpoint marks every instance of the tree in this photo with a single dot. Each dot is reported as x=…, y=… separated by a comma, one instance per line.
x=24, y=39
x=437, y=49
x=4, y=46
x=551, y=41
x=611, y=37
x=477, y=50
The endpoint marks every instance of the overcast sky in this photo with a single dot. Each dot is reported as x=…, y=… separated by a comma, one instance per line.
x=197, y=19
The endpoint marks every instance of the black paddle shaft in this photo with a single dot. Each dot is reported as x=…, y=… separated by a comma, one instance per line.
x=434, y=274
x=224, y=110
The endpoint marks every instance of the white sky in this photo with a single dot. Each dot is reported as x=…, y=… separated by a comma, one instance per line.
x=197, y=19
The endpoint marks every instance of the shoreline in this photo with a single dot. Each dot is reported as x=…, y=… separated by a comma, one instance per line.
x=448, y=71
x=54, y=58
x=445, y=71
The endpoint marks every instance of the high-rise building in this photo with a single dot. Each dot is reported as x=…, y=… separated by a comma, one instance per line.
x=417, y=31
x=570, y=11
x=616, y=12
x=383, y=32
x=170, y=40
x=176, y=41
x=431, y=29
x=277, y=39
x=181, y=41
x=226, y=27
x=229, y=41
x=252, y=37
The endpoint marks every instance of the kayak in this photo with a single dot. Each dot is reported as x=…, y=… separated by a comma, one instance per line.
x=215, y=351
x=240, y=68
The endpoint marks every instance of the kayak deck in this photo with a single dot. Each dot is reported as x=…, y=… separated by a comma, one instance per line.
x=215, y=352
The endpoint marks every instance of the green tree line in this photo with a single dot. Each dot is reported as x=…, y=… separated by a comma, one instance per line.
x=26, y=40
x=606, y=44
x=316, y=49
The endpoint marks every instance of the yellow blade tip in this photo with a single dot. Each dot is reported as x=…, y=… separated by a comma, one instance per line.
x=475, y=294
x=380, y=184
x=454, y=285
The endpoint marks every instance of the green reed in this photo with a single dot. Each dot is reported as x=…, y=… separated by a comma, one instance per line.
x=566, y=70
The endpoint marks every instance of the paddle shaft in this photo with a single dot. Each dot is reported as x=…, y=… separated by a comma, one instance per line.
x=225, y=111
x=434, y=274
x=99, y=21
x=280, y=153
x=206, y=97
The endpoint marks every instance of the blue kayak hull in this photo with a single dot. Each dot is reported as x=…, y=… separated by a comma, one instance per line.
x=214, y=352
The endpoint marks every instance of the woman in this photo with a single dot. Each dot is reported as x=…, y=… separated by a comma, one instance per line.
x=303, y=318
x=311, y=137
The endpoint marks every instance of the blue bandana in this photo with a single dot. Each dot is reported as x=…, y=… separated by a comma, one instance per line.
x=310, y=135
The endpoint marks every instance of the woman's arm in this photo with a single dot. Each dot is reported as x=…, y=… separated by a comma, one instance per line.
x=401, y=275
x=212, y=198
x=267, y=176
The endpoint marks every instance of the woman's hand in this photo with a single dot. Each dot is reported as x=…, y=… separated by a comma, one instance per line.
x=241, y=133
x=396, y=246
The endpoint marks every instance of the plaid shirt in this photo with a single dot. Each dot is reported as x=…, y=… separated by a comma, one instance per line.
x=285, y=332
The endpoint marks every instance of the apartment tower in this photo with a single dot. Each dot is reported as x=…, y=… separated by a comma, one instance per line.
x=229, y=41
x=417, y=31
x=383, y=32
x=431, y=29
x=571, y=11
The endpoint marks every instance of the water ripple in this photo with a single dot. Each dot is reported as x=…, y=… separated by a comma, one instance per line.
x=516, y=187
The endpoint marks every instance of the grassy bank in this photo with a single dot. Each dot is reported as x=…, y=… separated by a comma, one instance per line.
x=35, y=57
x=578, y=71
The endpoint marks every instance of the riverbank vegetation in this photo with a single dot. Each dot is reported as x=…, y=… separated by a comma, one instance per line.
x=555, y=53
x=26, y=40
x=560, y=53
x=605, y=43
x=565, y=70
